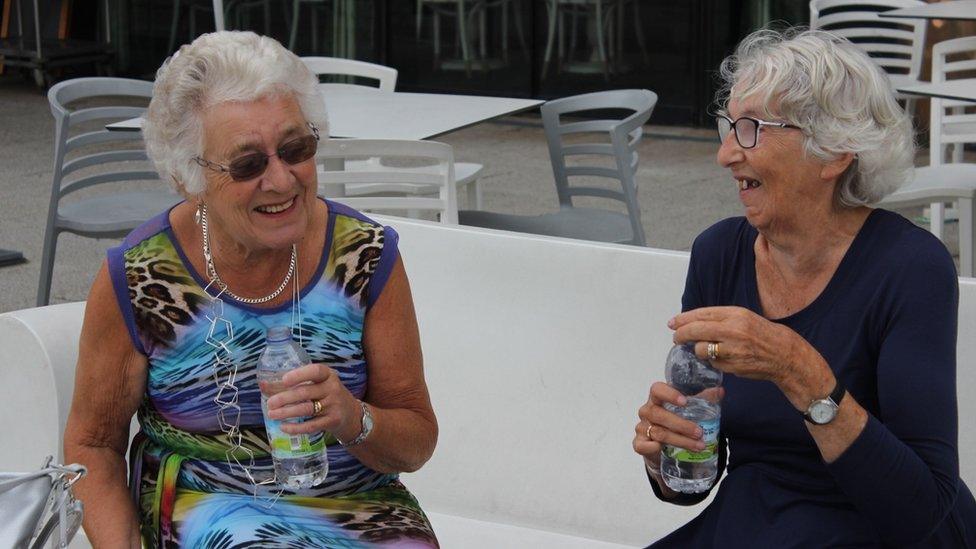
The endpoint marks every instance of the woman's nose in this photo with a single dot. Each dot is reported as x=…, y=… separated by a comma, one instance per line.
x=278, y=176
x=729, y=152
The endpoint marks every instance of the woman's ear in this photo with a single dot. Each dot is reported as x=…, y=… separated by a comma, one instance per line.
x=833, y=169
x=181, y=189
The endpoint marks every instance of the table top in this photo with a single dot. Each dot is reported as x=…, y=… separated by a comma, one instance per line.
x=368, y=113
x=962, y=90
x=954, y=9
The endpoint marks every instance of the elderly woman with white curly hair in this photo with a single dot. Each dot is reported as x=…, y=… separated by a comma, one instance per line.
x=834, y=322
x=177, y=319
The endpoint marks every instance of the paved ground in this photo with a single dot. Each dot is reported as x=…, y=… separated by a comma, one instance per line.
x=682, y=190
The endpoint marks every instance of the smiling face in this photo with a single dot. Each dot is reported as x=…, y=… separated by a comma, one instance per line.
x=778, y=183
x=273, y=210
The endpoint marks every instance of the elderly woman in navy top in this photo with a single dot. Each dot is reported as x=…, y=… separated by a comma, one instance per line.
x=834, y=322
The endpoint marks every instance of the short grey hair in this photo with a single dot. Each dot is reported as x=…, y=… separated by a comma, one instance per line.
x=841, y=99
x=216, y=68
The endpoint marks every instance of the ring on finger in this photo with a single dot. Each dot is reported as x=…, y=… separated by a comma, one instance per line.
x=316, y=407
x=712, y=350
x=647, y=432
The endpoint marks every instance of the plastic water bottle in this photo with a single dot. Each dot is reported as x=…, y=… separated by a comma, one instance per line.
x=300, y=461
x=684, y=470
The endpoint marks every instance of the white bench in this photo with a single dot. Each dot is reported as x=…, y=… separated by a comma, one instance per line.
x=538, y=352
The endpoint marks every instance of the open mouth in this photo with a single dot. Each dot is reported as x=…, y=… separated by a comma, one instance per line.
x=276, y=208
x=746, y=184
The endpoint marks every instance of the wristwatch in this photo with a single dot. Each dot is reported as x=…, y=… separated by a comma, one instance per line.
x=823, y=410
x=367, y=428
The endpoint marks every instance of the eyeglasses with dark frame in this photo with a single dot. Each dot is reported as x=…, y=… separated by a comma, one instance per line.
x=746, y=129
x=251, y=165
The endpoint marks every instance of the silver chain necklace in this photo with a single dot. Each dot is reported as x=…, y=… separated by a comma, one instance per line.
x=212, y=270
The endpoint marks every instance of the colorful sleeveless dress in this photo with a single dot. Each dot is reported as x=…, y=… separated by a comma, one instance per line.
x=187, y=475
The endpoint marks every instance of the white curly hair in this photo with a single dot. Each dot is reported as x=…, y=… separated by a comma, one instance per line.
x=837, y=95
x=213, y=69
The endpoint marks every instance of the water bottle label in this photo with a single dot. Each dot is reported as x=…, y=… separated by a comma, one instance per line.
x=709, y=436
x=285, y=446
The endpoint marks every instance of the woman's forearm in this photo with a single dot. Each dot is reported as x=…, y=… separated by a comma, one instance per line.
x=401, y=441
x=110, y=515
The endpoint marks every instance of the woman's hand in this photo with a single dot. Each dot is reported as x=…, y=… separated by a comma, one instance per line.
x=753, y=347
x=658, y=426
x=340, y=414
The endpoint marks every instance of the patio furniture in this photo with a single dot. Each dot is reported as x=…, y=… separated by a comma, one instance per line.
x=107, y=214
x=607, y=20
x=342, y=33
x=498, y=334
x=896, y=45
x=959, y=10
x=624, y=136
x=949, y=124
x=386, y=187
x=238, y=10
x=463, y=11
x=466, y=173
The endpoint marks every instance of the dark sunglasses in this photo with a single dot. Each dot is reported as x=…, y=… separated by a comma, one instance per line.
x=746, y=129
x=251, y=165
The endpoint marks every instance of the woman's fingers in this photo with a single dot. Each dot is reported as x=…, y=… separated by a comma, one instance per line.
x=662, y=393
x=314, y=373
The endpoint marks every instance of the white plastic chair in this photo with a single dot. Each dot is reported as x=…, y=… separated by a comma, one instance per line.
x=467, y=173
x=388, y=187
x=111, y=152
x=386, y=76
x=940, y=182
x=895, y=44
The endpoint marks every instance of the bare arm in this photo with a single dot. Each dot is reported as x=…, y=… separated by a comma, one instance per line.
x=110, y=381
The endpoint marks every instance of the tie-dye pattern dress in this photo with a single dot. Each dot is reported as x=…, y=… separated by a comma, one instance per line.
x=185, y=477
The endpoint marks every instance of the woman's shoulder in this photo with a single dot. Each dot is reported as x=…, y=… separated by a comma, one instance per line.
x=345, y=220
x=900, y=245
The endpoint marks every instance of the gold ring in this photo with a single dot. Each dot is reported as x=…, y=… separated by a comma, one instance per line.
x=316, y=407
x=647, y=432
x=712, y=350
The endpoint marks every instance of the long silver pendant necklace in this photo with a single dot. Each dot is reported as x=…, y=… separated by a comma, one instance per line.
x=224, y=369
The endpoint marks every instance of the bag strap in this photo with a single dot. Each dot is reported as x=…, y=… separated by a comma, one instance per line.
x=76, y=470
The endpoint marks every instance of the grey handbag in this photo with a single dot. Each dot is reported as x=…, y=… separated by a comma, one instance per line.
x=39, y=506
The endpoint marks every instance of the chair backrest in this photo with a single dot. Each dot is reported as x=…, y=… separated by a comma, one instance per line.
x=895, y=44
x=95, y=145
x=950, y=124
x=386, y=76
x=436, y=179
x=624, y=137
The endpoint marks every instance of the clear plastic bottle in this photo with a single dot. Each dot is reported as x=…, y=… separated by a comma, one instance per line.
x=300, y=461
x=684, y=470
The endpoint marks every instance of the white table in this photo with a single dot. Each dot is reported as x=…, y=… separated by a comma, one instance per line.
x=962, y=90
x=367, y=113
x=955, y=9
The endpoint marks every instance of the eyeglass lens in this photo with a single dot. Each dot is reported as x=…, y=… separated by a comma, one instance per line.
x=293, y=152
x=745, y=130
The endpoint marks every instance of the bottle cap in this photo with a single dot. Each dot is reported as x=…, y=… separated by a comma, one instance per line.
x=277, y=334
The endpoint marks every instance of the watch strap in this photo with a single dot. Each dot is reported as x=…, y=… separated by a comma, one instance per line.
x=835, y=396
x=364, y=431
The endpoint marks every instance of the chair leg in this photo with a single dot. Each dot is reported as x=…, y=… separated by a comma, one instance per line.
x=294, y=25
x=47, y=266
x=463, y=32
x=517, y=11
x=551, y=38
x=640, y=33
x=601, y=44
x=966, y=236
x=420, y=16
x=936, y=219
x=173, y=26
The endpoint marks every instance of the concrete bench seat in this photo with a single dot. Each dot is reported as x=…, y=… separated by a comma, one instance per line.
x=537, y=352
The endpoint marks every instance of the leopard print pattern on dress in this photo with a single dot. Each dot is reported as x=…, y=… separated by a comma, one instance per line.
x=356, y=253
x=163, y=294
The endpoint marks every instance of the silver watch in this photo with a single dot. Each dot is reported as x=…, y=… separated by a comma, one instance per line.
x=823, y=410
x=367, y=428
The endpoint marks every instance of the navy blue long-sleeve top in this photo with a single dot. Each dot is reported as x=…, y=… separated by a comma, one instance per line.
x=886, y=325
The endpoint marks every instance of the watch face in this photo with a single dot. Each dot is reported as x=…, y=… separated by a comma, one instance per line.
x=822, y=412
